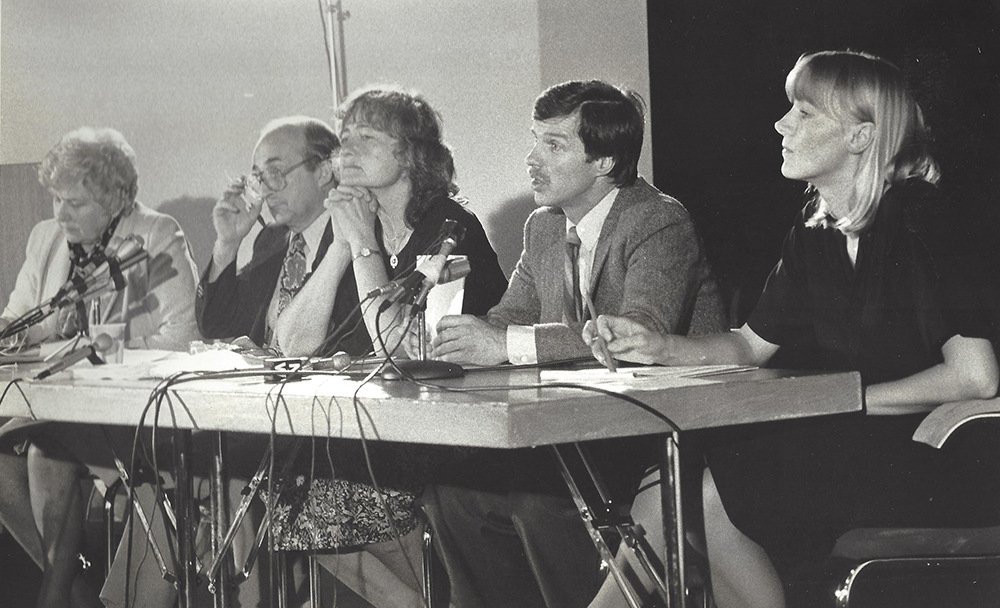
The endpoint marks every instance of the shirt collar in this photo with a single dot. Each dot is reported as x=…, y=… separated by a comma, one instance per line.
x=314, y=233
x=589, y=227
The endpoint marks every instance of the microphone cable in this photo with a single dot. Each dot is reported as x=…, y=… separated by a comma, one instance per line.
x=358, y=406
x=333, y=340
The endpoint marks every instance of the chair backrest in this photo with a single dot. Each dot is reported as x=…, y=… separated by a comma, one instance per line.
x=917, y=567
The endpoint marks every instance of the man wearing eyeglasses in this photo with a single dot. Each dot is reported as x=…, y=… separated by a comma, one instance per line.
x=292, y=174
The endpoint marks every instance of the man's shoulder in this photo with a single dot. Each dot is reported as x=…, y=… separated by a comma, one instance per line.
x=643, y=204
x=547, y=216
x=643, y=194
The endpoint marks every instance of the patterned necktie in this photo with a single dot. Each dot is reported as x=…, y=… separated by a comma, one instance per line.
x=293, y=272
x=572, y=298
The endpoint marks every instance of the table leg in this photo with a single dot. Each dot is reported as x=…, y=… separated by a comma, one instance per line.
x=594, y=530
x=673, y=520
x=185, y=519
x=220, y=515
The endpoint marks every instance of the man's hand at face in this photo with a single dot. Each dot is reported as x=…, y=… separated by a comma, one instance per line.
x=465, y=339
x=233, y=216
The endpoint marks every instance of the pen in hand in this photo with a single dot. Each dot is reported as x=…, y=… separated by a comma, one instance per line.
x=602, y=346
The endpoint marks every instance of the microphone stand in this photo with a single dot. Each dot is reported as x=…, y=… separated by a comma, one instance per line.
x=40, y=313
x=422, y=368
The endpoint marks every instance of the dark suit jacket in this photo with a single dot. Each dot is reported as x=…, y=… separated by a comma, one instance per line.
x=236, y=304
x=649, y=265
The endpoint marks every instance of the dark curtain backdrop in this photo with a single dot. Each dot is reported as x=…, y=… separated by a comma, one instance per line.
x=717, y=74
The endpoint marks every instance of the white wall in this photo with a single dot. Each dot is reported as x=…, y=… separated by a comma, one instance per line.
x=190, y=82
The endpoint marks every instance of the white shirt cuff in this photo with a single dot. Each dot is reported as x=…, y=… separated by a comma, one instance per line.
x=521, y=345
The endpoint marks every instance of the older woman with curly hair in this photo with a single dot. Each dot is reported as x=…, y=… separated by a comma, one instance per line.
x=92, y=178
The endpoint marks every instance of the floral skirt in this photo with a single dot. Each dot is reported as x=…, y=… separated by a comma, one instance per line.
x=337, y=513
x=336, y=506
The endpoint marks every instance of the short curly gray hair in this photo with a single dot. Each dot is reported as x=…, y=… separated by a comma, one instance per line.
x=100, y=159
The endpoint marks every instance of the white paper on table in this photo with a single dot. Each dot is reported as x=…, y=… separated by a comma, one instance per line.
x=443, y=299
x=161, y=364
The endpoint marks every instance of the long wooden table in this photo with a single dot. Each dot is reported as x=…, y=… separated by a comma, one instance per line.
x=496, y=414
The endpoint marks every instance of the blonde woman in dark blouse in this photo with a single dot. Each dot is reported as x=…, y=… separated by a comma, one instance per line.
x=866, y=281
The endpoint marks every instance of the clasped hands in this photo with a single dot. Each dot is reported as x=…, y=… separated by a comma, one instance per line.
x=352, y=212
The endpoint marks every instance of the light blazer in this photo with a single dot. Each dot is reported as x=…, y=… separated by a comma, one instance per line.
x=648, y=266
x=160, y=290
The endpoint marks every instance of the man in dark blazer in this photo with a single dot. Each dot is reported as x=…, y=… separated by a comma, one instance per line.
x=292, y=174
x=508, y=535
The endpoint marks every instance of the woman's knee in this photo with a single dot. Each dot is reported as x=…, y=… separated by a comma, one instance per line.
x=49, y=459
x=712, y=507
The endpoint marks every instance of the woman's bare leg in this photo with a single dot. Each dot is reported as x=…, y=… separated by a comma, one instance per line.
x=58, y=507
x=646, y=511
x=742, y=573
x=15, y=505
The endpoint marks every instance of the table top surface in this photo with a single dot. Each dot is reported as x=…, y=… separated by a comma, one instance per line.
x=489, y=408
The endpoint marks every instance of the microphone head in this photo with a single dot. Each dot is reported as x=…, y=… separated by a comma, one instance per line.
x=118, y=245
x=102, y=343
x=451, y=229
x=455, y=269
x=340, y=360
x=129, y=246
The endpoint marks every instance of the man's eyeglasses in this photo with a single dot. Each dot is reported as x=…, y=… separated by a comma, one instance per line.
x=273, y=178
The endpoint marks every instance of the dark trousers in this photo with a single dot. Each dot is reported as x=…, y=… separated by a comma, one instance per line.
x=512, y=549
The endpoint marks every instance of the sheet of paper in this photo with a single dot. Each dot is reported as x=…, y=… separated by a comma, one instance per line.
x=161, y=364
x=652, y=377
x=443, y=299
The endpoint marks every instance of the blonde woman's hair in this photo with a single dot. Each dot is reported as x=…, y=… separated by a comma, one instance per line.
x=857, y=87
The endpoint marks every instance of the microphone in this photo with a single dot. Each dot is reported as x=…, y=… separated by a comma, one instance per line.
x=339, y=361
x=455, y=269
x=100, y=344
x=118, y=259
x=428, y=273
x=452, y=271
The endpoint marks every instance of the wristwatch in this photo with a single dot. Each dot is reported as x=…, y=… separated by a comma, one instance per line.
x=363, y=253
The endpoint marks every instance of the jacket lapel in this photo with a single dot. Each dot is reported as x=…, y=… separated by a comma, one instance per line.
x=324, y=244
x=56, y=269
x=607, y=231
x=554, y=269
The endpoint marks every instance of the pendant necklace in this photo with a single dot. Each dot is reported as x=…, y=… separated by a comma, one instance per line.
x=395, y=242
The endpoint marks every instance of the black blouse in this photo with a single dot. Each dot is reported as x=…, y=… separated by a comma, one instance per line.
x=888, y=315
x=484, y=285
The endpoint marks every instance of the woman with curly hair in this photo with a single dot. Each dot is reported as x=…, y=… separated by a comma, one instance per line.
x=396, y=190
x=92, y=178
